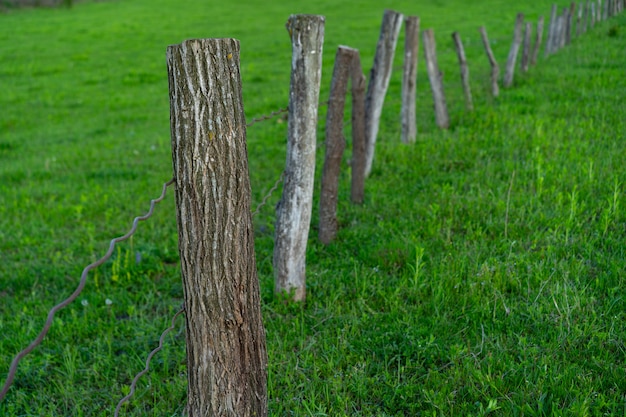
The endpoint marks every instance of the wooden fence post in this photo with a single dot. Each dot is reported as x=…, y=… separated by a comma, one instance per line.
x=409, y=76
x=605, y=10
x=226, y=356
x=435, y=76
x=579, y=19
x=460, y=52
x=495, y=69
x=526, y=47
x=551, y=29
x=517, y=40
x=335, y=145
x=357, y=189
x=570, y=23
x=537, y=45
x=293, y=213
x=593, y=14
x=379, y=81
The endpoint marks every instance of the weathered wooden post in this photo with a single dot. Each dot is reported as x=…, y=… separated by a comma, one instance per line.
x=526, y=47
x=579, y=19
x=379, y=81
x=226, y=356
x=593, y=14
x=335, y=145
x=357, y=188
x=537, y=44
x=495, y=69
x=460, y=53
x=435, y=76
x=517, y=40
x=551, y=31
x=409, y=77
x=293, y=213
x=570, y=23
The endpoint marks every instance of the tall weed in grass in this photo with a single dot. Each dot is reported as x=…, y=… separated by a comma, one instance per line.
x=484, y=274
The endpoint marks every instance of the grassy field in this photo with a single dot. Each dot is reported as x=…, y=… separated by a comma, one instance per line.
x=483, y=275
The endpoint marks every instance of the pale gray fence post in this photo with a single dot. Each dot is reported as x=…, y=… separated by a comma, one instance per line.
x=226, y=356
x=495, y=69
x=409, y=77
x=537, y=45
x=460, y=52
x=517, y=40
x=435, y=76
x=379, y=81
x=335, y=145
x=293, y=213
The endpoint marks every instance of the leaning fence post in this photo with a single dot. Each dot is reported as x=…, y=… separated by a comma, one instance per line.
x=526, y=47
x=226, y=356
x=551, y=31
x=409, y=76
x=517, y=40
x=495, y=69
x=537, y=45
x=357, y=188
x=435, y=76
x=335, y=145
x=460, y=52
x=293, y=213
x=379, y=81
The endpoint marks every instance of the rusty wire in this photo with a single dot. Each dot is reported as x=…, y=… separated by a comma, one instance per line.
x=76, y=293
x=269, y=193
x=133, y=385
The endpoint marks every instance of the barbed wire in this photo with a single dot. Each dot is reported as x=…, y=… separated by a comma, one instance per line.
x=269, y=193
x=133, y=385
x=267, y=116
x=77, y=291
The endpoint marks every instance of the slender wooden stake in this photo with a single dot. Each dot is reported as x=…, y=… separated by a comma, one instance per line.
x=495, y=69
x=435, y=76
x=551, y=31
x=563, y=27
x=570, y=23
x=593, y=14
x=293, y=213
x=605, y=10
x=579, y=19
x=357, y=78
x=226, y=356
x=379, y=81
x=526, y=47
x=460, y=52
x=517, y=40
x=585, y=16
x=335, y=145
x=409, y=79
x=537, y=45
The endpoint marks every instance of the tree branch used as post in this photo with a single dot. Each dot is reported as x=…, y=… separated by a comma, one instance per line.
x=379, y=81
x=335, y=145
x=495, y=69
x=435, y=76
x=460, y=53
x=226, y=356
x=409, y=78
x=293, y=213
x=517, y=40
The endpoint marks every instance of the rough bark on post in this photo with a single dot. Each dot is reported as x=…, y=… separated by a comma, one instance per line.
x=409, y=79
x=435, y=76
x=537, y=45
x=460, y=52
x=495, y=69
x=357, y=189
x=526, y=47
x=517, y=40
x=551, y=31
x=379, y=81
x=293, y=213
x=335, y=145
x=226, y=354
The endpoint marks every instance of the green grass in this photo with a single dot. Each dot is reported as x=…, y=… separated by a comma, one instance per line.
x=484, y=274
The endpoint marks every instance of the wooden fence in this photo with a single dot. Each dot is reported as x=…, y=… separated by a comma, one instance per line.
x=225, y=336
